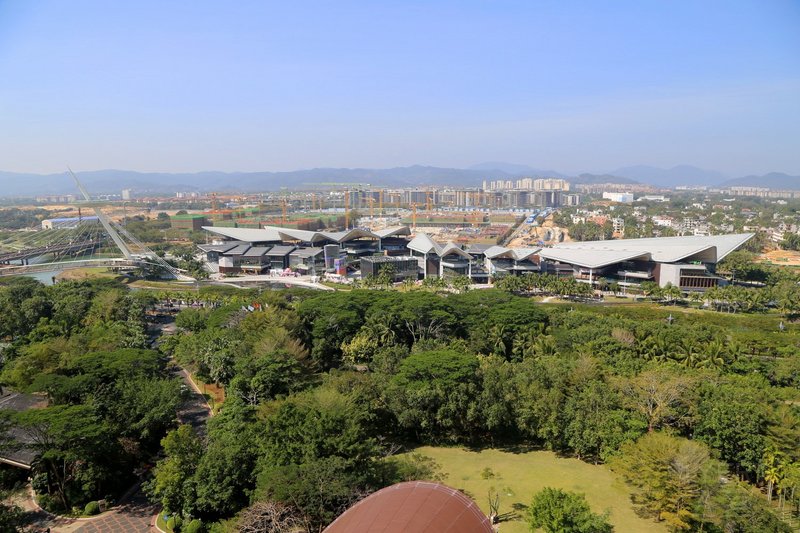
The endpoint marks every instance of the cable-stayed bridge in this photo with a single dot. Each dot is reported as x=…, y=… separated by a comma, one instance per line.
x=91, y=241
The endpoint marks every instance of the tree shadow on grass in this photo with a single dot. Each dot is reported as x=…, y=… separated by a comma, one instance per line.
x=508, y=447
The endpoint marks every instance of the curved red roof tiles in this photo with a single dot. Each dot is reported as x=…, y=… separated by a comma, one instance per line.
x=413, y=507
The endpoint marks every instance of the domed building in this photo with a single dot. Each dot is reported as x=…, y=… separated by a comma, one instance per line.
x=413, y=507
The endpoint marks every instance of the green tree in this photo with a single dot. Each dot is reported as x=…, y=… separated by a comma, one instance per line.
x=667, y=474
x=597, y=425
x=192, y=319
x=558, y=511
x=72, y=449
x=733, y=418
x=261, y=378
x=224, y=476
x=173, y=483
x=432, y=393
x=144, y=408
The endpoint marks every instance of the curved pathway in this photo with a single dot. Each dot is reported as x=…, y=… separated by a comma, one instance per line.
x=135, y=515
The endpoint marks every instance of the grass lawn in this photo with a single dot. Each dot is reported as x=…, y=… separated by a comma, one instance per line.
x=163, y=285
x=518, y=476
x=87, y=273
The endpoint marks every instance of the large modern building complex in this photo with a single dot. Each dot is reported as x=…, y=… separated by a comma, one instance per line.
x=685, y=262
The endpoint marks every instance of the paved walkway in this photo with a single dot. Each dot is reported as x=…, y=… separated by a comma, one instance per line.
x=136, y=515
x=300, y=281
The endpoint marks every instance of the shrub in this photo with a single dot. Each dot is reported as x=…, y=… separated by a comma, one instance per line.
x=49, y=504
x=92, y=508
x=195, y=526
x=555, y=511
x=39, y=483
x=174, y=523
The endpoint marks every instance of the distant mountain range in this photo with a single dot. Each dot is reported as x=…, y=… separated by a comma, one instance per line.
x=113, y=181
x=773, y=180
x=671, y=177
x=512, y=169
x=595, y=179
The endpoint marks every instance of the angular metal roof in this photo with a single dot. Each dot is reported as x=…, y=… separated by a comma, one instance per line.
x=278, y=234
x=591, y=258
x=423, y=244
x=713, y=249
x=245, y=234
x=452, y=248
x=393, y=232
x=517, y=254
x=413, y=507
x=256, y=251
x=307, y=252
x=217, y=247
x=238, y=250
x=279, y=251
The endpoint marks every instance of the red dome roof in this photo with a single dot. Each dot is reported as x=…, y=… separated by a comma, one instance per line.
x=413, y=507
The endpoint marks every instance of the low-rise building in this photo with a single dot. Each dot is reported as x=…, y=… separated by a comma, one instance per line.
x=191, y=222
x=620, y=197
x=400, y=267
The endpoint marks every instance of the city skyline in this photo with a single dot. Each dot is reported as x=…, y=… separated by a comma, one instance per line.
x=271, y=87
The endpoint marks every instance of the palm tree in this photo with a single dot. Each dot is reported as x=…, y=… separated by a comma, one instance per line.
x=688, y=354
x=772, y=471
x=408, y=284
x=735, y=351
x=672, y=293
x=525, y=343
x=696, y=297
x=614, y=288
x=497, y=340
x=713, y=355
x=545, y=346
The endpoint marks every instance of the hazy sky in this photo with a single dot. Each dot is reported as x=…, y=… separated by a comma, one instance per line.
x=572, y=86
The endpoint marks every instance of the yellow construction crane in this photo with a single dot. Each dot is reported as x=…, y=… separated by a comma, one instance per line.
x=428, y=201
x=371, y=207
x=414, y=216
x=380, y=201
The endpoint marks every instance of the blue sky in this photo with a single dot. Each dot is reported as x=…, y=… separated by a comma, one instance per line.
x=572, y=86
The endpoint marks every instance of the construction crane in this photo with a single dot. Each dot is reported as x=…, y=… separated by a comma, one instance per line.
x=428, y=201
x=414, y=216
x=380, y=201
x=371, y=207
x=214, y=202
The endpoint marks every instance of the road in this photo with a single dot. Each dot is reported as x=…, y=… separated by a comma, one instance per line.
x=299, y=281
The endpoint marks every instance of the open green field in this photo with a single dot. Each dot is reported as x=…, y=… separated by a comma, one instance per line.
x=518, y=476
x=88, y=273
